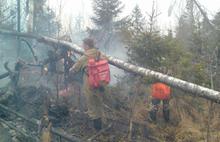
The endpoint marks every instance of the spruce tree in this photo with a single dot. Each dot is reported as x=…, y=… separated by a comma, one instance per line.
x=106, y=12
x=105, y=21
x=136, y=21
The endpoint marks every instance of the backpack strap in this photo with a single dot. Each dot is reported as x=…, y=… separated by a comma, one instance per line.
x=98, y=56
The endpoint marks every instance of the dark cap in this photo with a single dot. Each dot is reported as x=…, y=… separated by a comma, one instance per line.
x=90, y=42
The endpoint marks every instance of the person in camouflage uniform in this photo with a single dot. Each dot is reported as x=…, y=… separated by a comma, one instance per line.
x=94, y=97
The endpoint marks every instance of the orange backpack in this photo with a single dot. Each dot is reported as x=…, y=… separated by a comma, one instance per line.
x=98, y=72
x=160, y=91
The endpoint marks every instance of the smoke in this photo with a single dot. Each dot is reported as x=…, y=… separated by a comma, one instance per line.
x=7, y=54
x=116, y=49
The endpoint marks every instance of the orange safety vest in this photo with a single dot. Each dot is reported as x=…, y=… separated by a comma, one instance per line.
x=160, y=91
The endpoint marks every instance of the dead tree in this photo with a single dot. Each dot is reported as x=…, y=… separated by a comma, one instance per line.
x=12, y=87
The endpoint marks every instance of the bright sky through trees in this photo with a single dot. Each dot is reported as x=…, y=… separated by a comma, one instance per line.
x=74, y=8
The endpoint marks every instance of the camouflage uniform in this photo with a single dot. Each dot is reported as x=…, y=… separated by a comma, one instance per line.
x=93, y=96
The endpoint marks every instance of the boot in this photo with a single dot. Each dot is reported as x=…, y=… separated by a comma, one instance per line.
x=97, y=124
x=152, y=116
x=166, y=115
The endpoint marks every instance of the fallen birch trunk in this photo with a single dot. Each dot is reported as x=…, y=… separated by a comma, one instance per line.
x=191, y=88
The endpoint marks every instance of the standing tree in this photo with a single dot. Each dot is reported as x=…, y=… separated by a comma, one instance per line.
x=213, y=49
x=7, y=15
x=18, y=26
x=40, y=15
x=105, y=19
x=106, y=12
x=136, y=21
x=144, y=44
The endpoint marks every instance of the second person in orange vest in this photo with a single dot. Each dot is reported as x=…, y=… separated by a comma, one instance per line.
x=160, y=92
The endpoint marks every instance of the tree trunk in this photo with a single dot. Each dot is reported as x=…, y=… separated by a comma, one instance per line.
x=191, y=88
x=18, y=26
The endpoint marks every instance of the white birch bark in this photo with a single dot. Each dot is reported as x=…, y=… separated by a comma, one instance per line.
x=191, y=88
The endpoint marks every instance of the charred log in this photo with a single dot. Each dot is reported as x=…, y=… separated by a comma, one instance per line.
x=64, y=135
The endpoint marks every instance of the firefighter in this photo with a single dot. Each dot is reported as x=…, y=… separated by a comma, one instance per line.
x=94, y=97
x=160, y=92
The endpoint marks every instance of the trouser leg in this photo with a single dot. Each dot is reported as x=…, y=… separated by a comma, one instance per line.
x=94, y=103
x=95, y=106
x=145, y=131
x=97, y=124
x=98, y=121
x=166, y=110
x=154, y=110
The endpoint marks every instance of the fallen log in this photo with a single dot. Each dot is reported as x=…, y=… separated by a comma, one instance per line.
x=4, y=75
x=99, y=133
x=31, y=49
x=62, y=134
x=22, y=132
x=191, y=88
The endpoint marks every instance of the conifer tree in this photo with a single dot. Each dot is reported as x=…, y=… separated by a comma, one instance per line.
x=106, y=13
x=106, y=21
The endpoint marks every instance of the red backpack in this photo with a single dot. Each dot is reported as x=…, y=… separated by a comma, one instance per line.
x=98, y=72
